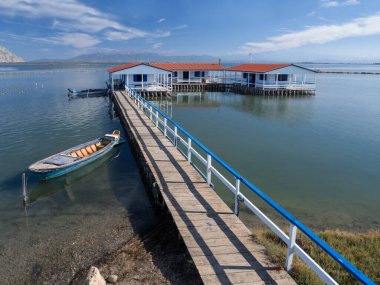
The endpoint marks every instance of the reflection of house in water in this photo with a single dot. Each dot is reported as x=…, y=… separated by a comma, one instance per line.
x=165, y=105
x=287, y=110
x=194, y=99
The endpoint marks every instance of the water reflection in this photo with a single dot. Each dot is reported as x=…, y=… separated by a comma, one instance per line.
x=305, y=152
x=290, y=109
x=46, y=188
x=194, y=99
x=165, y=104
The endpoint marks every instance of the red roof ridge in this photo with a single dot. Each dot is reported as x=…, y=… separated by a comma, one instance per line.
x=171, y=66
x=124, y=66
x=188, y=65
x=257, y=67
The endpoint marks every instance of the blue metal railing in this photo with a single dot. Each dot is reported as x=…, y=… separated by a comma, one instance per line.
x=293, y=221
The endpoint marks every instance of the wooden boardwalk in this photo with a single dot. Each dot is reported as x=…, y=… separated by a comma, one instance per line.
x=220, y=245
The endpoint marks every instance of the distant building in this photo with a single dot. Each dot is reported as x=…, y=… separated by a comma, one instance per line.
x=191, y=72
x=248, y=78
x=271, y=76
x=140, y=77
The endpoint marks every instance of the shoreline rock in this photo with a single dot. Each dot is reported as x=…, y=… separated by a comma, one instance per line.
x=94, y=277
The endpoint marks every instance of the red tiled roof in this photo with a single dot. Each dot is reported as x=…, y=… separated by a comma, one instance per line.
x=124, y=66
x=257, y=67
x=187, y=65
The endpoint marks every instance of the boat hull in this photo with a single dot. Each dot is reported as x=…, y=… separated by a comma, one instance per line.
x=88, y=92
x=63, y=171
x=49, y=172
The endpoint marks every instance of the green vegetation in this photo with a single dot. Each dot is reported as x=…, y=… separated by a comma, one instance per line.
x=361, y=249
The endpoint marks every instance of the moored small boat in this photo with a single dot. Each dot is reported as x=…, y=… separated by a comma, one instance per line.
x=87, y=92
x=75, y=157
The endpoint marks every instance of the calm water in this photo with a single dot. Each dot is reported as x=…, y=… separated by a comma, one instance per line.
x=317, y=156
x=344, y=67
x=38, y=119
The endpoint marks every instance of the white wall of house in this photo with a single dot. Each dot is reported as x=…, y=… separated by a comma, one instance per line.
x=153, y=74
x=180, y=76
x=291, y=69
x=270, y=79
x=132, y=83
x=293, y=75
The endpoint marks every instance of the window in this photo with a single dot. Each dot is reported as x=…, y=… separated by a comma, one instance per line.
x=140, y=77
x=175, y=74
x=282, y=77
x=262, y=77
x=197, y=74
x=203, y=74
x=245, y=75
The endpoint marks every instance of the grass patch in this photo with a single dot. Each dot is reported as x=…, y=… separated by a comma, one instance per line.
x=361, y=249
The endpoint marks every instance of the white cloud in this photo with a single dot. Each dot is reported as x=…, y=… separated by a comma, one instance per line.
x=157, y=45
x=77, y=40
x=318, y=35
x=161, y=20
x=334, y=3
x=329, y=4
x=76, y=18
x=311, y=14
x=120, y=36
x=180, y=27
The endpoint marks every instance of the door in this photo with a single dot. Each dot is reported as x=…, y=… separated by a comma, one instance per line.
x=252, y=79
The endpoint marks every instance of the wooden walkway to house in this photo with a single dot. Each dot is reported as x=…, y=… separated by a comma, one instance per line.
x=220, y=245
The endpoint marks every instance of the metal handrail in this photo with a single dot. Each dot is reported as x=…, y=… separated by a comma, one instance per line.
x=294, y=223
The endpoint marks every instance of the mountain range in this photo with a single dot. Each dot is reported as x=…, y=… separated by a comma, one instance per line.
x=7, y=56
x=136, y=56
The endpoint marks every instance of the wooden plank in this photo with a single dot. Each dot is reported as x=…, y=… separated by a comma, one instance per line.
x=220, y=245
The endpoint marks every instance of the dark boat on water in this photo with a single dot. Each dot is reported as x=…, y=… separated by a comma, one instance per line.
x=87, y=92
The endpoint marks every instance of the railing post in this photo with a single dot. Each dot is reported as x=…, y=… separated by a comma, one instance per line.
x=151, y=113
x=208, y=169
x=291, y=246
x=156, y=118
x=237, y=186
x=189, y=149
x=175, y=136
x=165, y=126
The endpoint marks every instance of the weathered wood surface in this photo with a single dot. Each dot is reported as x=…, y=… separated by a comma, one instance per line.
x=221, y=246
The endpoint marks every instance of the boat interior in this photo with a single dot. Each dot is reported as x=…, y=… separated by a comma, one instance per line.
x=90, y=149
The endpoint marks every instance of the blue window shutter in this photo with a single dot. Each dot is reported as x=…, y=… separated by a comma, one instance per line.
x=145, y=77
x=135, y=77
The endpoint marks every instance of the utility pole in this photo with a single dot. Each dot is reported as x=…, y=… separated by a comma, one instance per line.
x=250, y=55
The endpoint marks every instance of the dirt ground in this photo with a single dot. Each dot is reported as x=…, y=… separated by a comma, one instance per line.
x=156, y=257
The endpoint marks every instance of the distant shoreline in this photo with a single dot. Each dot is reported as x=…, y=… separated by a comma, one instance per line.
x=111, y=63
x=347, y=72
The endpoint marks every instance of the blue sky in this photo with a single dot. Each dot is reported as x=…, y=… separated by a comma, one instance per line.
x=271, y=30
